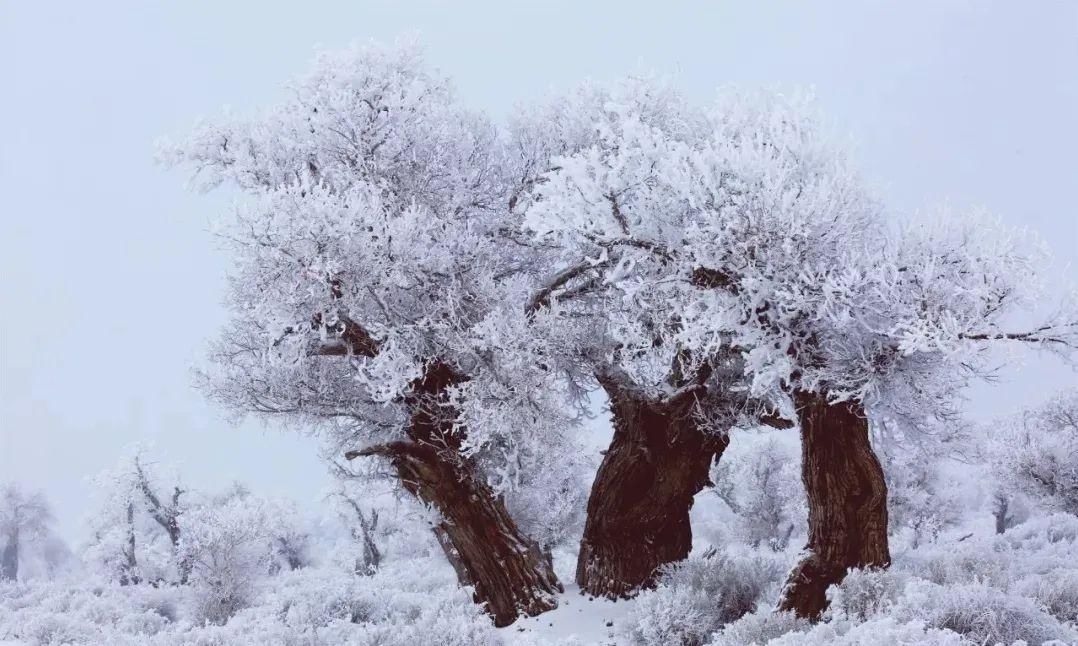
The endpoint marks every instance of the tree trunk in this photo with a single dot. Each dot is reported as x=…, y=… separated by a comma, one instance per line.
x=638, y=510
x=847, y=501
x=128, y=574
x=511, y=575
x=9, y=558
x=1000, y=511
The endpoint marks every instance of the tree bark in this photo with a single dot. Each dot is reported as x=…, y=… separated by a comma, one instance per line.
x=847, y=501
x=638, y=510
x=509, y=572
x=128, y=574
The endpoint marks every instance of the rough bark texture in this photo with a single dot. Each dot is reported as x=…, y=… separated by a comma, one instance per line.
x=847, y=501
x=638, y=511
x=510, y=573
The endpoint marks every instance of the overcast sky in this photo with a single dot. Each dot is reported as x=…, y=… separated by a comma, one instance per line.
x=110, y=286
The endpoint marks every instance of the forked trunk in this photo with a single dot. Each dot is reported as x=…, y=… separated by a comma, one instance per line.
x=847, y=502
x=511, y=575
x=638, y=511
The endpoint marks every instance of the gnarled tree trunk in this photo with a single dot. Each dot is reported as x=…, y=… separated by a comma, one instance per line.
x=847, y=501
x=638, y=511
x=510, y=573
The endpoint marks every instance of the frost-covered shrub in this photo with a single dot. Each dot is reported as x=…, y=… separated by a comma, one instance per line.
x=227, y=548
x=758, y=627
x=885, y=630
x=982, y=613
x=700, y=594
x=1056, y=533
x=864, y=594
x=1032, y=549
x=677, y=615
x=1056, y=590
x=960, y=563
x=73, y=612
x=408, y=602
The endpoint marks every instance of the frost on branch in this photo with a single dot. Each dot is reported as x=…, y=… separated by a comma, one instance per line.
x=1035, y=453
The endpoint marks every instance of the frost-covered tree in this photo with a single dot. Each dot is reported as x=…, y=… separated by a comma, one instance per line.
x=760, y=241
x=135, y=527
x=379, y=294
x=362, y=524
x=922, y=497
x=671, y=404
x=410, y=280
x=758, y=480
x=1035, y=454
x=25, y=522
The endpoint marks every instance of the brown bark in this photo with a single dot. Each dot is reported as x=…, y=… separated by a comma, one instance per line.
x=847, y=500
x=511, y=575
x=638, y=511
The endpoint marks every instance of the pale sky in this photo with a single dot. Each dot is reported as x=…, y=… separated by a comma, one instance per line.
x=110, y=286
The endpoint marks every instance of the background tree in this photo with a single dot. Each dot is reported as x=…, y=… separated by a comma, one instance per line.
x=1035, y=454
x=135, y=528
x=25, y=522
x=758, y=480
x=362, y=525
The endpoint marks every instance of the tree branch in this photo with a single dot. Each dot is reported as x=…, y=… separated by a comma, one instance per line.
x=541, y=298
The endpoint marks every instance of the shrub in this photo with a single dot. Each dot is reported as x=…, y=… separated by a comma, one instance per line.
x=982, y=613
x=698, y=595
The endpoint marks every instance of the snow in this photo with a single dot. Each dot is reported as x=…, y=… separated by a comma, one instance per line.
x=581, y=617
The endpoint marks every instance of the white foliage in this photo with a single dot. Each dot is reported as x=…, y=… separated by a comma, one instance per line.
x=1035, y=453
x=374, y=201
x=923, y=499
x=759, y=479
x=26, y=533
x=697, y=596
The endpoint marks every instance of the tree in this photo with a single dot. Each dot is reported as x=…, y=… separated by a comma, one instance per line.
x=362, y=525
x=758, y=480
x=761, y=241
x=378, y=294
x=1035, y=454
x=136, y=527
x=671, y=405
x=25, y=520
x=922, y=497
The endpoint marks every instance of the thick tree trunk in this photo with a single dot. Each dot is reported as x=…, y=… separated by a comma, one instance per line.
x=510, y=573
x=847, y=500
x=638, y=511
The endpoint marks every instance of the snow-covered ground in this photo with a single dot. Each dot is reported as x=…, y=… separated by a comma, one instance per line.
x=586, y=619
x=954, y=580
